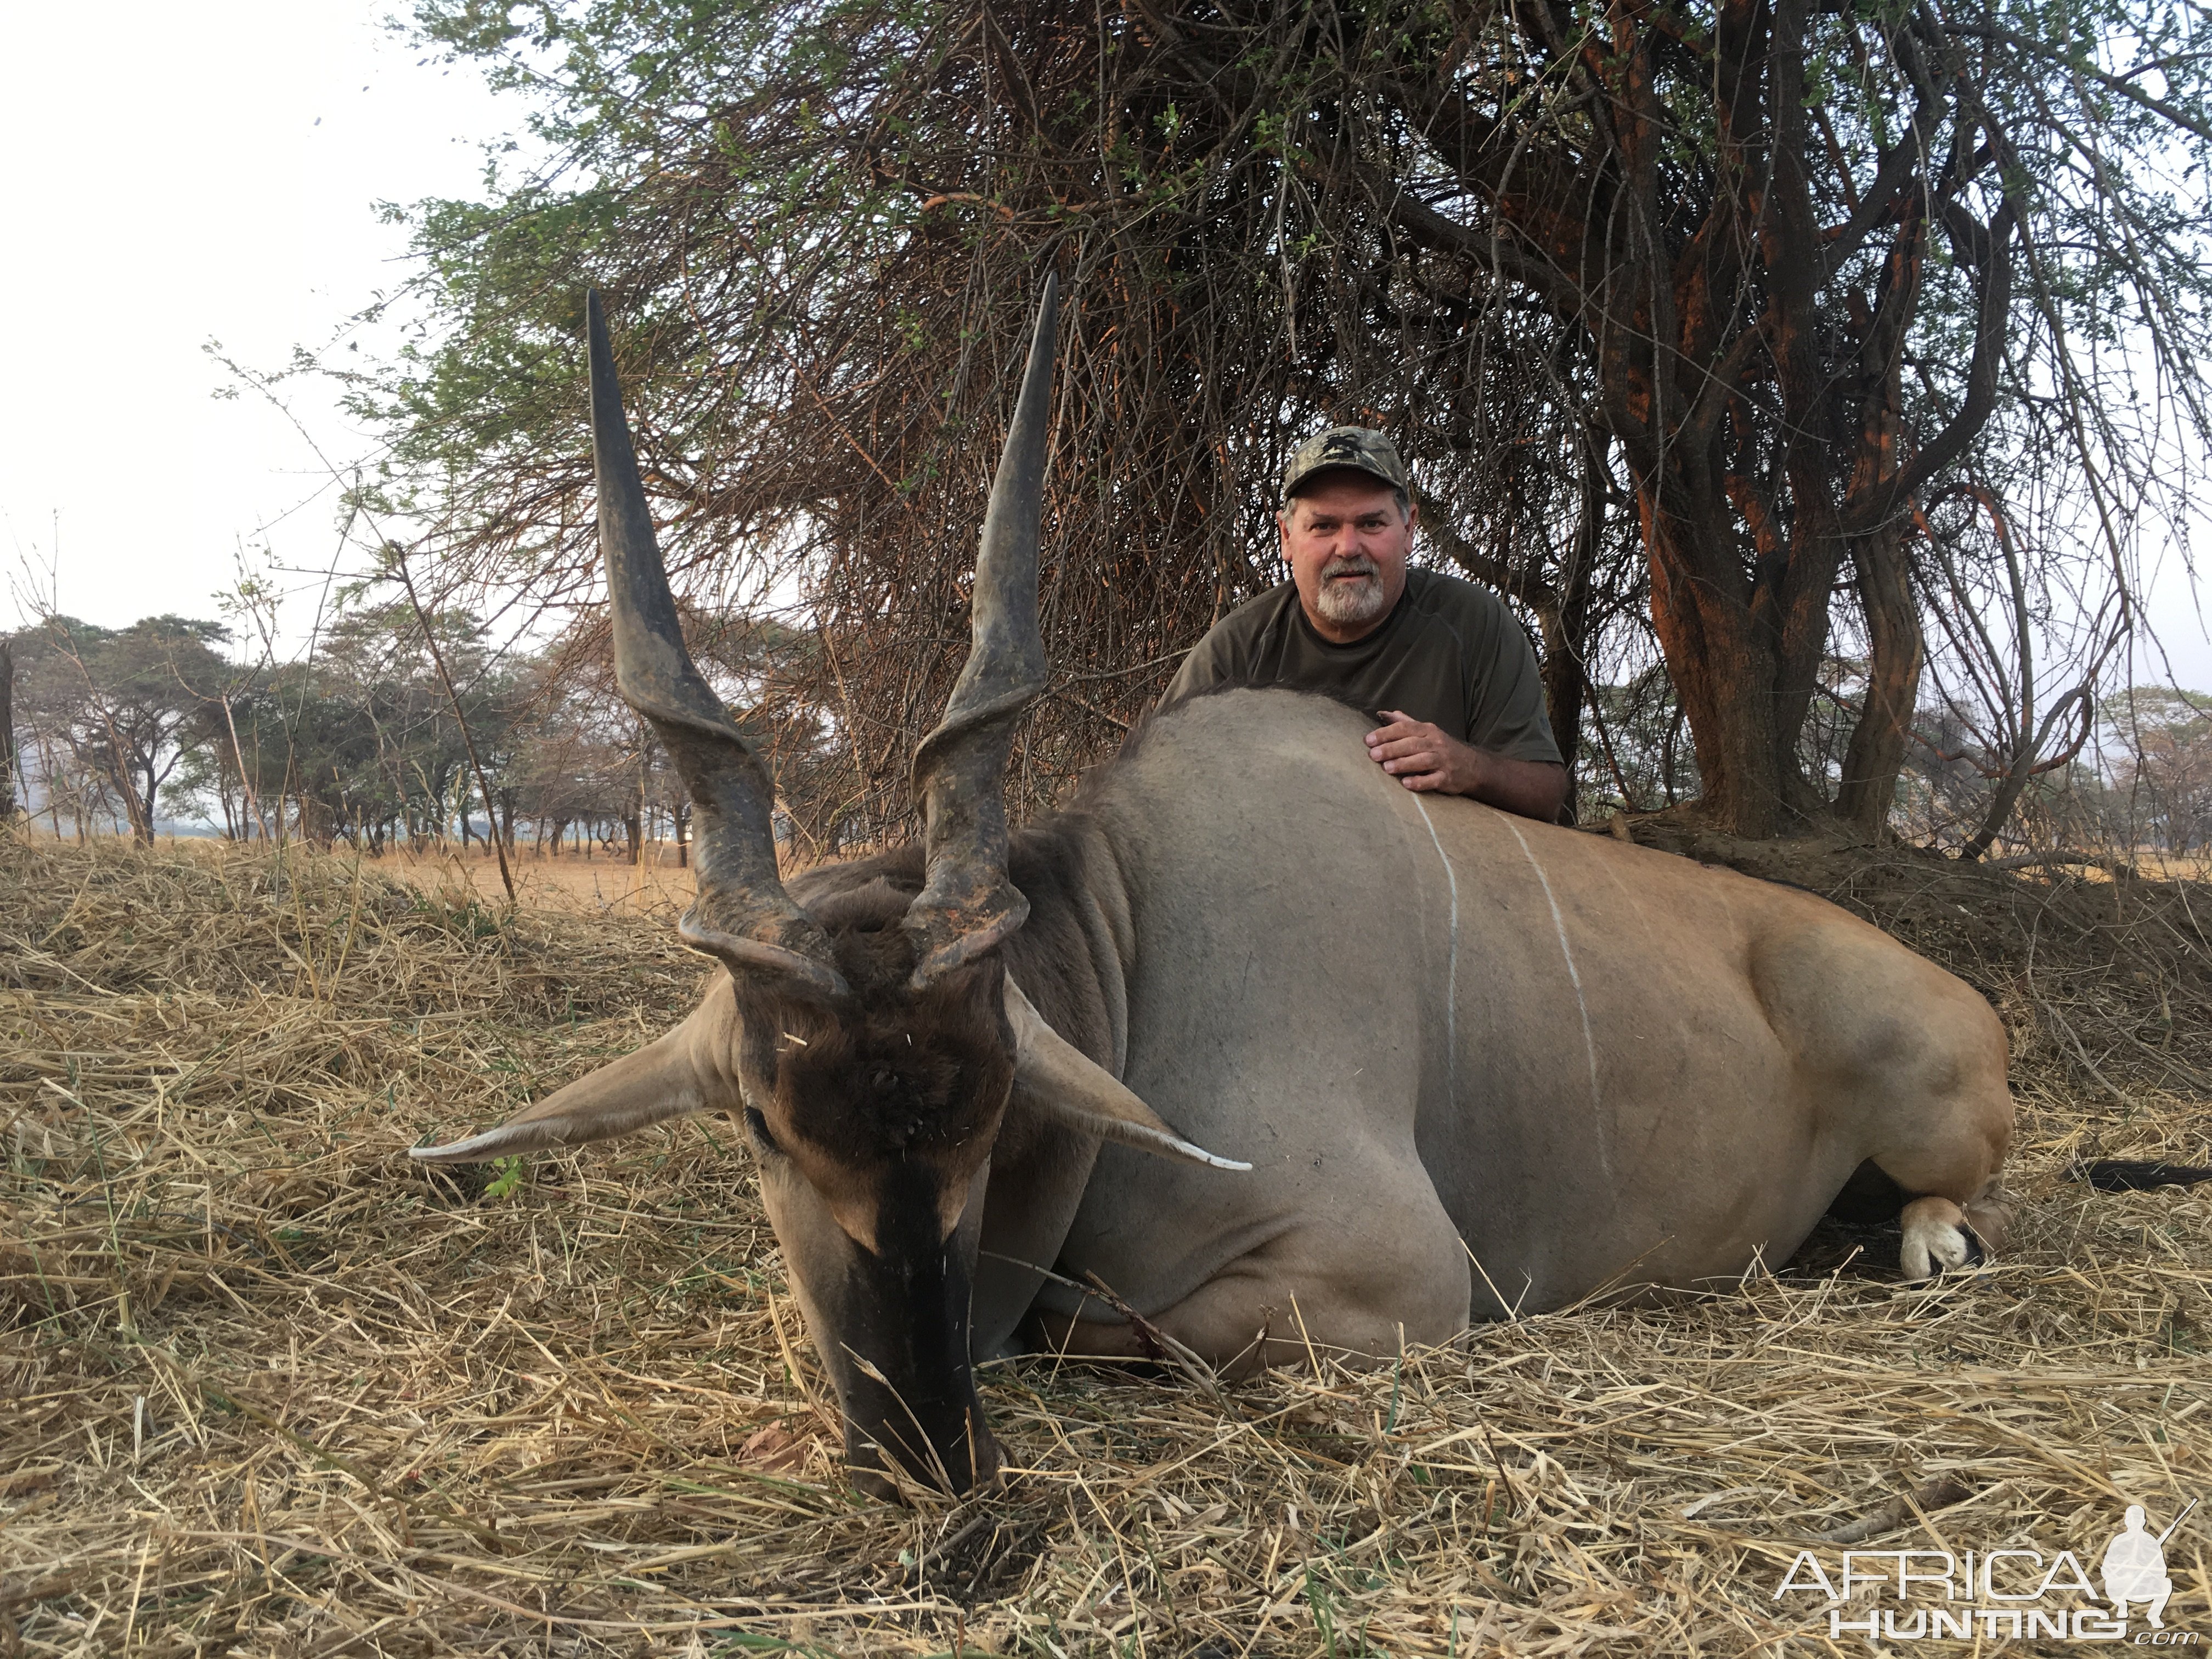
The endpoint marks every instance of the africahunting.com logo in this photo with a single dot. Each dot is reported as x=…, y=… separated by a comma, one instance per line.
x=1911, y=1596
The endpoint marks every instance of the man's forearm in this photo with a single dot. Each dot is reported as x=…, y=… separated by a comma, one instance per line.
x=1532, y=789
x=1423, y=757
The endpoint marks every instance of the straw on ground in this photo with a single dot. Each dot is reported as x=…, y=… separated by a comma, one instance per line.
x=271, y=1390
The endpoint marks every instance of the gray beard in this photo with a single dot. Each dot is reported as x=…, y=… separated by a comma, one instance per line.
x=1350, y=606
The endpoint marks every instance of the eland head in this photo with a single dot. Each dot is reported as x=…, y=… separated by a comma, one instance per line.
x=873, y=1053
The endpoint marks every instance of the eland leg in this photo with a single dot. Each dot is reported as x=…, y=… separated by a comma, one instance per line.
x=1312, y=1292
x=1908, y=1064
x=1941, y=1234
x=1941, y=1134
x=1945, y=1157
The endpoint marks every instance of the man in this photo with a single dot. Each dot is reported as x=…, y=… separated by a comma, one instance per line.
x=1442, y=663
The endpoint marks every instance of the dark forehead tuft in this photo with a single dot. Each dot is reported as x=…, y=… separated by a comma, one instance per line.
x=863, y=918
x=888, y=1070
x=876, y=957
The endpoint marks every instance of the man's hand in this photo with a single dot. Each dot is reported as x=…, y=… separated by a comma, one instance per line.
x=1422, y=756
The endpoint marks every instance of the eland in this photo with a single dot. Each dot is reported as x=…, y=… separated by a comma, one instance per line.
x=1247, y=1051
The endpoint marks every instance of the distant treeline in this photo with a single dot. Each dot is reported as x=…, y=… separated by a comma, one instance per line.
x=376, y=740
x=368, y=740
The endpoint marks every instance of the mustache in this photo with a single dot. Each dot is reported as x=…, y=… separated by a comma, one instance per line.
x=1354, y=564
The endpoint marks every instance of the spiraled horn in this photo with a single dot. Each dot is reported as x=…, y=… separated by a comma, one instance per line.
x=968, y=905
x=742, y=913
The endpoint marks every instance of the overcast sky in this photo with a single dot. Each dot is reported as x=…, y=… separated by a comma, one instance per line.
x=176, y=175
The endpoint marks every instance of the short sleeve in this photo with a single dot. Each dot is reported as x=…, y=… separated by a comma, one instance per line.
x=1505, y=701
x=1221, y=656
x=1202, y=667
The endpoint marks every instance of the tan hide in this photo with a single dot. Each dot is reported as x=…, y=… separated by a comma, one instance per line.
x=1055, y=1079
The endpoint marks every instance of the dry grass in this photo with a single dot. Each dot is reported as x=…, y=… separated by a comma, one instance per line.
x=658, y=888
x=271, y=1390
x=596, y=884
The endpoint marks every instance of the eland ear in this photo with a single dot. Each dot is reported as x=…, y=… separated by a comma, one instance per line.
x=659, y=1081
x=1058, y=1080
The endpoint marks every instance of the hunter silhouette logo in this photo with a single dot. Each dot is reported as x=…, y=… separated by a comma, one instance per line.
x=2135, y=1567
x=1906, y=1595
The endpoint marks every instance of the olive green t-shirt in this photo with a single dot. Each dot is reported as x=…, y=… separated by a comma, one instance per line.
x=1449, y=653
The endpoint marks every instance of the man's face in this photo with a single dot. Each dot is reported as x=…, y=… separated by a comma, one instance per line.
x=1347, y=542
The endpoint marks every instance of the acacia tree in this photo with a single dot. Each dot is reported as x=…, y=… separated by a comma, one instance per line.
x=364, y=738
x=2166, y=766
x=584, y=755
x=127, y=702
x=818, y=338
x=1747, y=261
x=1683, y=306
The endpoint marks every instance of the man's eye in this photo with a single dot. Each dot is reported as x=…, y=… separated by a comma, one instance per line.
x=758, y=1125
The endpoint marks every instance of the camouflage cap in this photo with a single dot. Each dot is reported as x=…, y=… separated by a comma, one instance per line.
x=1359, y=447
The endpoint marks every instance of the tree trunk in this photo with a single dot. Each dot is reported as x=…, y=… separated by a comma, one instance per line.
x=7, y=730
x=1724, y=678
x=1565, y=673
x=138, y=810
x=47, y=774
x=1899, y=650
x=1566, y=625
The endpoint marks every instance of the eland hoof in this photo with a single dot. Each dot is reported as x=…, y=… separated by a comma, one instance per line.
x=1937, y=1239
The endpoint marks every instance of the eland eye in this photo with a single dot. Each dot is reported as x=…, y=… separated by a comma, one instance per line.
x=758, y=1125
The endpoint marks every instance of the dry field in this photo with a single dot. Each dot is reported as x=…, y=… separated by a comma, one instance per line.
x=598, y=885
x=271, y=1390
x=658, y=888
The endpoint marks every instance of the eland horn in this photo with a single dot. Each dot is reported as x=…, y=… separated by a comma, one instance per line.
x=967, y=905
x=742, y=915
